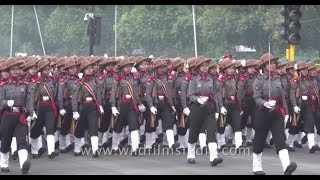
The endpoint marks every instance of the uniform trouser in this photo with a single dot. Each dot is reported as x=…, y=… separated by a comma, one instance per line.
x=233, y=118
x=290, y=111
x=46, y=118
x=12, y=127
x=165, y=115
x=127, y=116
x=147, y=117
x=66, y=120
x=309, y=115
x=247, y=119
x=202, y=116
x=265, y=121
x=105, y=119
x=88, y=120
x=317, y=119
x=180, y=130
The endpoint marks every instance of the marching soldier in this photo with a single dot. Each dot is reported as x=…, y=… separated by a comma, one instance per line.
x=65, y=93
x=125, y=86
x=245, y=96
x=16, y=102
x=3, y=79
x=159, y=97
x=45, y=105
x=87, y=108
x=203, y=96
x=228, y=87
x=304, y=93
x=271, y=113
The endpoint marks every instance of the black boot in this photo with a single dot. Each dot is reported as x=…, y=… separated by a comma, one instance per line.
x=259, y=173
x=53, y=155
x=216, y=161
x=5, y=169
x=25, y=167
x=313, y=149
x=191, y=161
x=15, y=155
x=291, y=168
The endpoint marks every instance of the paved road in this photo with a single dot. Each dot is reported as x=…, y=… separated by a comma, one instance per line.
x=67, y=164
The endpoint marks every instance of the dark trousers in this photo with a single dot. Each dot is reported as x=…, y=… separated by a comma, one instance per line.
x=248, y=116
x=202, y=116
x=12, y=127
x=233, y=118
x=266, y=121
x=47, y=119
x=105, y=118
x=127, y=116
x=147, y=117
x=66, y=120
x=317, y=119
x=88, y=120
x=181, y=131
x=164, y=113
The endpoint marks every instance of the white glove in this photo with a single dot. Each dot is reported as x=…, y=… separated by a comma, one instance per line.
x=62, y=112
x=241, y=113
x=269, y=104
x=76, y=115
x=153, y=110
x=28, y=119
x=101, y=109
x=186, y=111
x=142, y=108
x=115, y=111
x=202, y=100
x=10, y=103
x=296, y=109
x=272, y=102
x=286, y=117
x=216, y=115
x=80, y=75
x=174, y=109
x=223, y=111
x=34, y=116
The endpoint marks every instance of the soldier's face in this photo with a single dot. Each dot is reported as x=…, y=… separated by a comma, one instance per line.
x=290, y=71
x=213, y=70
x=14, y=71
x=180, y=68
x=204, y=67
x=95, y=67
x=22, y=73
x=127, y=69
x=109, y=67
x=161, y=69
x=251, y=70
x=280, y=71
x=61, y=69
x=32, y=71
x=313, y=72
x=88, y=70
x=304, y=72
x=230, y=70
x=143, y=66
x=46, y=71
x=271, y=68
x=5, y=74
x=72, y=70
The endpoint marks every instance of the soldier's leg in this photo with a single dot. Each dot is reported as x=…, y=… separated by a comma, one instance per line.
x=50, y=124
x=21, y=131
x=203, y=138
x=277, y=129
x=92, y=119
x=7, y=127
x=309, y=119
x=118, y=126
x=236, y=124
x=150, y=132
x=220, y=134
x=197, y=116
x=167, y=121
x=210, y=125
x=249, y=123
x=133, y=129
x=64, y=138
x=317, y=124
x=105, y=122
x=80, y=127
x=14, y=148
x=36, y=135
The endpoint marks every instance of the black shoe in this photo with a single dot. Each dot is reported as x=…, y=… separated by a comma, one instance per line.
x=78, y=154
x=175, y=138
x=143, y=138
x=304, y=139
x=25, y=167
x=95, y=154
x=41, y=151
x=205, y=150
x=5, y=170
x=230, y=141
x=107, y=144
x=297, y=145
x=135, y=153
x=56, y=145
x=114, y=152
x=159, y=140
x=271, y=141
x=53, y=155
x=291, y=168
x=249, y=143
x=191, y=161
x=259, y=173
x=15, y=155
x=35, y=156
x=216, y=161
x=268, y=146
x=291, y=149
x=313, y=149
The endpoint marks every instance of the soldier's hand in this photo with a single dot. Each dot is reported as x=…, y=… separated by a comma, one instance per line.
x=10, y=103
x=174, y=109
x=142, y=108
x=223, y=111
x=62, y=112
x=268, y=105
x=34, y=115
x=76, y=115
x=286, y=117
x=115, y=111
x=186, y=111
x=202, y=100
x=296, y=109
x=101, y=109
x=216, y=115
x=28, y=119
x=153, y=110
x=241, y=113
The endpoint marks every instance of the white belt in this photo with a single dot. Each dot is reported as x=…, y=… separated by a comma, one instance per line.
x=161, y=97
x=128, y=96
x=89, y=99
x=45, y=98
x=16, y=109
x=304, y=98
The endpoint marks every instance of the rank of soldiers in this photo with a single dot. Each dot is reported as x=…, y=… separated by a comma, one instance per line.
x=56, y=105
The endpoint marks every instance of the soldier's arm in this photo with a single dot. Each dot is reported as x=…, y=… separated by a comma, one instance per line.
x=74, y=99
x=283, y=97
x=217, y=97
x=61, y=94
x=3, y=101
x=218, y=94
x=149, y=89
x=293, y=89
x=257, y=92
x=241, y=85
x=135, y=89
x=192, y=91
x=30, y=99
x=170, y=93
x=99, y=91
x=183, y=94
x=113, y=93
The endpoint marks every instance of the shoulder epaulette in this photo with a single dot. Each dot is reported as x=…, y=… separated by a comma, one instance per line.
x=244, y=77
x=151, y=78
x=221, y=78
x=188, y=77
x=136, y=76
x=24, y=81
x=171, y=75
x=63, y=79
x=118, y=78
x=3, y=83
x=35, y=79
x=55, y=76
x=295, y=80
x=102, y=76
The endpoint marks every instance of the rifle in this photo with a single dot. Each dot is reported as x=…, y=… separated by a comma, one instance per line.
x=79, y=101
x=295, y=116
x=65, y=97
x=114, y=119
x=153, y=116
x=221, y=119
x=37, y=102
